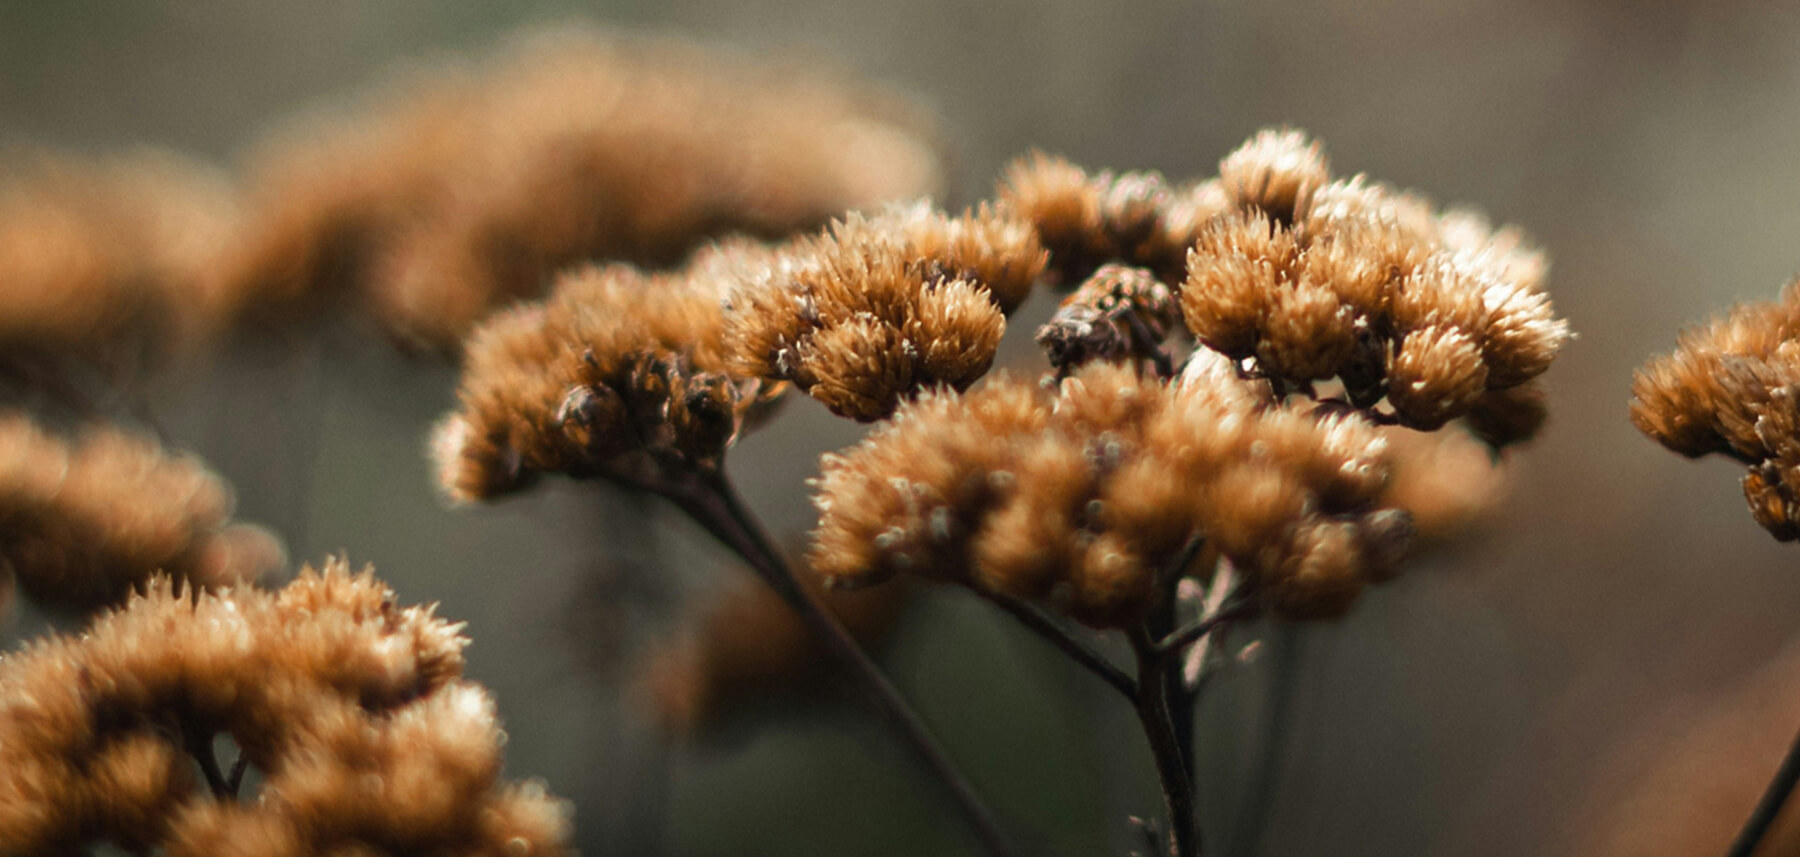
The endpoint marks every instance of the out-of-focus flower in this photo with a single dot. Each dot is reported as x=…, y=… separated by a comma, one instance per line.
x=83, y=522
x=350, y=707
x=1733, y=387
x=452, y=192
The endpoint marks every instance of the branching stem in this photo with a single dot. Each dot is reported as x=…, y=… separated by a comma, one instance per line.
x=1059, y=636
x=709, y=498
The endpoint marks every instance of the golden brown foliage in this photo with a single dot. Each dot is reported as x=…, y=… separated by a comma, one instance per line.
x=877, y=309
x=449, y=193
x=1084, y=496
x=83, y=522
x=106, y=259
x=351, y=707
x=750, y=644
x=1730, y=387
x=615, y=372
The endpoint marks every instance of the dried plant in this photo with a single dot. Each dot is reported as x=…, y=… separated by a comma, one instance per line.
x=1729, y=388
x=84, y=522
x=1145, y=487
x=617, y=373
x=450, y=193
x=350, y=707
x=106, y=261
x=1092, y=496
x=878, y=309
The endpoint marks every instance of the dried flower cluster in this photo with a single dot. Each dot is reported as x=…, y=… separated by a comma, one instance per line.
x=1086, y=496
x=879, y=308
x=1730, y=387
x=1318, y=279
x=1133, y=218
x=83, y=522
x=349, y=706
x=748, y=645
x=448, y=195
x=615, y=372
x=107, y=260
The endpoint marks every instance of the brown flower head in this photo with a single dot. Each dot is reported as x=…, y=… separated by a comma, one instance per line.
x=1086, y=221
x=351, y=708
x=1733, y=387
x=83, y=522
x=1317, y=279
x=105, y=259
x=451, y=193
x=614, y=374
x=1083, y=496
x=877, y=309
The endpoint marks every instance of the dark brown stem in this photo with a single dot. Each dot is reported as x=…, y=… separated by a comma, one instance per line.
x=1156, y=714
x=1767, y=809
x=709, y=498
x=1193, y=631
x=235, y=779
x=1058, y=636
x=200, y=746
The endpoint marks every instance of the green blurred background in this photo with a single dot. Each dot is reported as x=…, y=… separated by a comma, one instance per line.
x=1481, y=705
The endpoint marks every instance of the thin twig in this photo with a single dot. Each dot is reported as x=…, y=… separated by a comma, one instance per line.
x=709, y=498
x=1053, y=631
x=1773, y=799
x=1200, y=627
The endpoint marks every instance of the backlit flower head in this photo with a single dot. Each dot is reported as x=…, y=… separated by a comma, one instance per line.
x=1730, y=387
x=1084, y=496
x=878, y=309
x=616, y=371
x=351, y=708
x=83, y=522
x=1320, y=279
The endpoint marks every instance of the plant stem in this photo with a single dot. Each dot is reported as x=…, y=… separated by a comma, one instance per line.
x=1175, y=642
x=200, y=746
x=1767, y=809
x=1156, y=715
x=1057, y=635
x=709, y=498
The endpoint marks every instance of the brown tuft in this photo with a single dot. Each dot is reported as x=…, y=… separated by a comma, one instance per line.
x=445, y=195
x=615, y=374
x=1351, y=280
x=84, y=522
x=1733, y=387
x=878, y=309
x=1083, y=496
x=352, y=708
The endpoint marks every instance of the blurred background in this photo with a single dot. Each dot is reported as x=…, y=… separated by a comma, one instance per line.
x=1610, y=665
